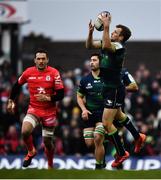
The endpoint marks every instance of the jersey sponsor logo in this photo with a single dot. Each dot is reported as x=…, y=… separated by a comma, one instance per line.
x=41, y=90
x=40, y=77
x=97, y=81
x=89, y=86
x=32, y=77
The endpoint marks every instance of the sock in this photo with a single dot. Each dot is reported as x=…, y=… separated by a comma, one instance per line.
x=107, y=139
x=129, y=125
x=117, y=142
x=99, y=162
x=50, y=156
x=29, y=142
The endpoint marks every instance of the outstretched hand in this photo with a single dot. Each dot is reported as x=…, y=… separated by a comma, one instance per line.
x=85, y=114
x=10, y=106
x=105, y=18
x=91, y=26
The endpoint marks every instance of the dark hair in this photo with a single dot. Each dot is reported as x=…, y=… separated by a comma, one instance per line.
x=40, y=50
x=96, y=54
x=126, y=33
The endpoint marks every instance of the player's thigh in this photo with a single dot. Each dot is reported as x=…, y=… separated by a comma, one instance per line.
x=29, y=123
x=109, y=114
x=120, y=115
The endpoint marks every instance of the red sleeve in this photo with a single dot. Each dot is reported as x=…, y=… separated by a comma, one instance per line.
x=58, y=83
x=23, y=78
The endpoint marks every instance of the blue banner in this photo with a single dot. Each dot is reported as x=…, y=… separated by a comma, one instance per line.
x=84, y=162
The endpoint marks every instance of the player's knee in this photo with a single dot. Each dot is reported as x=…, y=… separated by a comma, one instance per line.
x=89, y=143
x=25, y=132
x=98, y=139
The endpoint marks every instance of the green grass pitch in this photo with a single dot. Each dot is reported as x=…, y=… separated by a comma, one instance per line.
x=79, y=174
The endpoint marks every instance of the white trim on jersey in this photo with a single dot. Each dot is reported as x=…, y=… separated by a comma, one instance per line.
x=117, y=45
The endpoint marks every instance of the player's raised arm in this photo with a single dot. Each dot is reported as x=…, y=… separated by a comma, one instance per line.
x=90, y=43
x=106, y=40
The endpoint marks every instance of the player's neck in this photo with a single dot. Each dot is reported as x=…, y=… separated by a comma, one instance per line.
x=95, y=73
x=41, y=70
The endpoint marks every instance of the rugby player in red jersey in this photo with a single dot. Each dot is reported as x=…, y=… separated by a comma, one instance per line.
x=45, y=88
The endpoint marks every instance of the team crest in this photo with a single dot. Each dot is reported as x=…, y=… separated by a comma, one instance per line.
x=48, y=78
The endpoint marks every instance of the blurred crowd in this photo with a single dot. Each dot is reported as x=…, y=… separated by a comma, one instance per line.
x=143, y=107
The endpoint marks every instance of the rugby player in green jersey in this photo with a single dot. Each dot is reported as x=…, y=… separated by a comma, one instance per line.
x=90, y=100
x=113, y=54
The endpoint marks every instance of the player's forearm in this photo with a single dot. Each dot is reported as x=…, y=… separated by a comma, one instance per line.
x=58, y=96
x=81, y=103
x=15, y=91
x=106, y=41
x=89, y=41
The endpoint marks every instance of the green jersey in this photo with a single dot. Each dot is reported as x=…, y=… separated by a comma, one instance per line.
x=111, y=65
x=91, y=89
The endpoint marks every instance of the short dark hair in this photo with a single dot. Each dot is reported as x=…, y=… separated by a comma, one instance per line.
x=96, y=54
x=40, y=50
x=126, y=33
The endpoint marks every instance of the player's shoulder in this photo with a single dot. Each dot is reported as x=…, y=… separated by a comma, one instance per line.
x=87, y=77
x=30, y=69
x=52, y=69
x=117, y=45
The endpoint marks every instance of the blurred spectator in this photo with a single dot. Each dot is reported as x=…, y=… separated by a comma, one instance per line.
x=12, y=140
x=3, y=150
x=86, y=68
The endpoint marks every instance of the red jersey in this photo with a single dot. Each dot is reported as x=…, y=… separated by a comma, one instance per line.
x=41, y=82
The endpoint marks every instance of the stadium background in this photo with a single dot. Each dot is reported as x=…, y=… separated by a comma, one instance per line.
x=71, y=58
